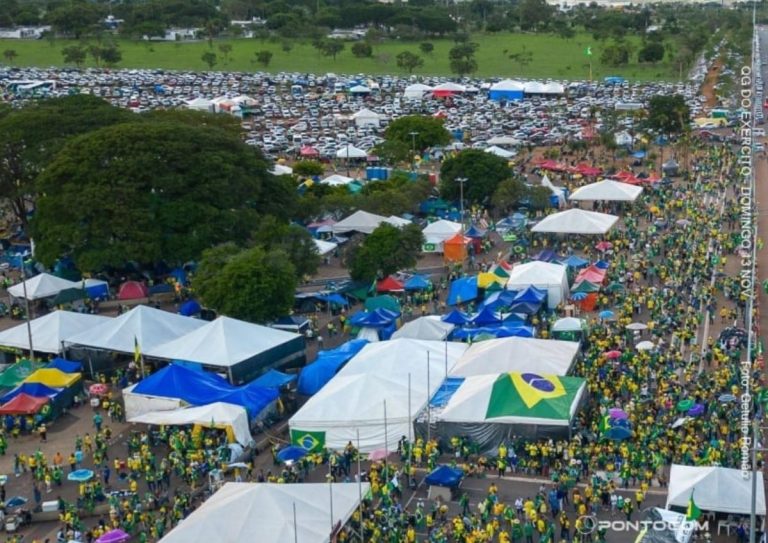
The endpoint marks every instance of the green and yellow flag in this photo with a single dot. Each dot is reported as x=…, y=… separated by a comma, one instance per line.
x=533, y=395
x=693, y=512
x=588, y=51
x=136, y=350
x=311, y=441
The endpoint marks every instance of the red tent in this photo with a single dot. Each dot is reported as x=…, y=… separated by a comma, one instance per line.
x=309, y=151
x=389, y=284
x=586, y=169
x=593, y=274
x=132, y=290
x=23, y=404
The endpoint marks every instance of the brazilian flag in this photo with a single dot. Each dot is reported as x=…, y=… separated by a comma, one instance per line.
x=693, y=512
x=311, y=441
x=533, y=395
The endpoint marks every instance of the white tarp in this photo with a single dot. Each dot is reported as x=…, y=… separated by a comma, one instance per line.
x=366, y=117
x=503, y=140
x=216, y=414
x=722, y=490
x=40, y=286
x=576, y=221
x=50, y=330
x=502, y=355
x=544, y=275
x=280, y=169
x=608, y=191
x=140, y=404
x=365, y=223
x=378, y=375
x=222, y=343
x=324, y=247
x=499, y=152
x=336, y=180
x=439, y=231
x=350, y=151
x=416, y=91
x=429, y=327
x=239, y=511
x=147, y=326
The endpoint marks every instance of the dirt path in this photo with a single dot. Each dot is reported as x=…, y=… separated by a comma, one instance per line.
x=708, y=87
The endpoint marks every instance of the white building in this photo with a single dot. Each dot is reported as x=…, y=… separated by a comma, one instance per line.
x=24, y=32
x=176, y=34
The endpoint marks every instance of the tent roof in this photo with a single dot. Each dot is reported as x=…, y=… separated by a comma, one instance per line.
x=441, y=230
x=366, y=114
x=549, y=356
x=429, y=327
x=43, y=285
x=222, y=343
x=499, y=152
x=607, y=190
x=576, y=221
x=503, y=140
x=23, y=404
x=215, y=414
x=450, y=87
x=723, y=490
x=359, y=221
x=239, y=510
x=148, y=326
x=350, y=151
x=324, y=247
x=50, y=330
x=536, y=273
x=508, y=85
x=51, y=377
x=336, y=180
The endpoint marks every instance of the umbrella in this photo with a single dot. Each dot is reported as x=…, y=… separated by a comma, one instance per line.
x=637, y=326
x=615, y=287
x=603, y=245
x=618, y=433
x=696, y=410
x=378, y=454
x=612, y=354
x=80, y=475
x=16, y=501
x=645, y=346
x=684, y=405
x=578, y=296
x=606, y=314
x=618, y=414
x=98, y=389
x=291, y=453
x=114, y=536
x=725, y=398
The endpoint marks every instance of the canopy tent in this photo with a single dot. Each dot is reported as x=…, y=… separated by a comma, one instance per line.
x=336, y=180
x=718, y=489
x=494, y=331
x=676, y=528
x=366, y=117
x=436, y=233
x=383, y=301
x=507, y=89
x=324, y=247
x=429, y=327
x=568, y=324
x=445, y=476
x=499, y=152
x=41, y=286
x=200, y=104
x=274, y=379
x=36, y=390
x=359, y=221
x=278, y=513
x=66, y=366
x=350, y=151
x=359, y=89
x=416, y=91
x=417, y=282
x=220, y=415
x=23, y=404
x=389, y=284
x=314, y=376
x=53, y=378
x=543, y=275
x=379, y=374
x=447, y=89
x=520, y=354
x=503, y=140
x=462, y=290
x=576, y=221
x=608, y=191
x=49, y=331
x=15, y=374
x=281, y=169
x=455, y=317
x=147, y=326
x=455, y=248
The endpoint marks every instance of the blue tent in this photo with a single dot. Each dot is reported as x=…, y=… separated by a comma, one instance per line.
x=375, y=319
x=638, y=154
x=602, y=264
x=274, y=379
x=485, y=316
x=98, y=292
x=531, y=295
x=455, y=317
x=546, y=255
x=574, y=261
x=614, y=80
x=498, y=299
x=445, y=476
x=67, y=366
x=526, y=308
x=506, y=329
x=475, y=232
x=314, y=376
x=160, y=288
x=417, y=282
x=36, y=390
x=463, y=290
x=446, y=391
x=333, y=299
x=189, y=308
x=180, y=275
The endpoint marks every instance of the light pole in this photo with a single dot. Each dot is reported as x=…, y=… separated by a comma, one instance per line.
x=413, y=148
x=26, y=305
x=461, y=181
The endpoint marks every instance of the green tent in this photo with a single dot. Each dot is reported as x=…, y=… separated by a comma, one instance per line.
x=14, y=375
x=69, y=295
x=384, y=301
x=586, y=287
x=521, y=396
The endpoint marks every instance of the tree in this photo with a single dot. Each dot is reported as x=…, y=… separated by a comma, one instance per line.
x=111, y=55
x=483, y=173
x=287, y=46
x=74, y=54
x=668, y=114
x=409, y=61
x=385, y=251
x=254, y=284
x=426, y=47
x=537, y=197
x=652, y=52
x=523, y=58
x=508, y=196
x=296, y=242
x=419, y=131
x=462, y=59
x=209, y=57
x=532, y=12
x=308, y=167
x=362, y=49
x=329, y=47
x=264, y=57
x=10, y=55
x=225, y=49
x=76, y=19
x=616, y=54
x=143, y=191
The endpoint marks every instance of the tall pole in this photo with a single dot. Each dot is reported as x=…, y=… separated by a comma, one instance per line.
x=753, y=505
x=410, y=421
x=461, y=181
x=413, y=149
x=386, y=441
x=446, y=358
x=429, y=388
x=295, y=525
x=360, y=486
x=330, y=499
x=26, y=305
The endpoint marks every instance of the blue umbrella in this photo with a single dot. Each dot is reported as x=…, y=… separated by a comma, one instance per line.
x=725, y=398
x=606, y=314
x=80, y=476
x=291, y=453
x=16, y=501
x=618, y=433
x=578, y=296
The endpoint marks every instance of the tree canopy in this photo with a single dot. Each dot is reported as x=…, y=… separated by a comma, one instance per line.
x=668, y=114
x=429, y=131
x=386, y=250
x=295, y=241
x=483, y=173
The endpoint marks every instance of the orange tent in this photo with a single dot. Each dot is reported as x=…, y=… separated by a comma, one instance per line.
x=455, y=248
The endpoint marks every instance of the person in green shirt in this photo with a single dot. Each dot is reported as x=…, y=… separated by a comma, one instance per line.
x=528, y=531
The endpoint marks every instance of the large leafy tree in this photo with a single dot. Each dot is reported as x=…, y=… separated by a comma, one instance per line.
x=483, y=173
x=668, y=114
x=147, y=191
x=421, y=130
x=385, y=251
x=295, y=241
x=254, y=284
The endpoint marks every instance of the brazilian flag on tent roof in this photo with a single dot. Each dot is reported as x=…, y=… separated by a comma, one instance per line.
x=311, y=441
x=533, y=395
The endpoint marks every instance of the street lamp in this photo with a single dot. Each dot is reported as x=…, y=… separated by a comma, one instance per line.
x=461, y=181
x=413, y=148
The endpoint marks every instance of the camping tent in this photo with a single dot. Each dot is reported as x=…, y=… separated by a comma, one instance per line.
x=416, y=91
x=447, y=89
x=49, y=331
x=462, y=290
x=551, y=277
x=132, y=290
x=278, y=513
x=40, y=286
x=608, y=191
x=243, y=349
x=517, y=354
x=350, y=151
x=366, y=117
x=506, y=90
x=576, y=221
x=438, y=232
x=718, y=489
x=215, y=415
x=429, y=327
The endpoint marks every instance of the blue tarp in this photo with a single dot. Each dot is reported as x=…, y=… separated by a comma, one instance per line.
x=274, y=379
x=497, y=300
x=336, y=299
x=526, y=308
x=547, y=255
x=445, y=476
x=67, y=366
x=375, y=319
x=98, y=292
x=189, y=308
x=455, y=317
x=485, y=316
x=602, y=264
x=180, y=275
x=531, y=295
x=446, y=391
x=203, y=388
x=512, y=329
x=314, y=376
x=574, y=261
x=194, y=366
x=417, y=282
x=36, y=390
x=463, y=290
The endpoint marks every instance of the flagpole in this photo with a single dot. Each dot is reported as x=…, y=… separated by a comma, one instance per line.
x=429, y=422
x=295, y=525
x=330, y=499
x=360, y=485
x=410, y=424
x=386, y=440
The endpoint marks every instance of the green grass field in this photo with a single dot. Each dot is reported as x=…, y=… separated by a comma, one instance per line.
x=553, y=57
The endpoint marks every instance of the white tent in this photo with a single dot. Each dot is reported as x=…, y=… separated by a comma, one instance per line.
x=145, y=325
x=359, y=89
x=449, y=87
x=534, y=87
x=607, y=190
x=239, y=511
x=429, y=327
x=623, y=138
x=499, y=152
x=548, y=356
x=366, y=117
x=508, y=85
x=437, y=232
x=350, y=151
x=40, y=286
x=722, y=490
x=553, y=88
x=359, y=221
x=394, y=220
x=557, y=191
x=218, y=414
x=576, y=221
x=200, y=104
x=324, y=247
x=568, y=324
x=378, y=375
x=503, y=140
x=416, y=91
x=544, y=275
x=280, y=169
x=222, y=343
x=50, y=330
x=336, y=180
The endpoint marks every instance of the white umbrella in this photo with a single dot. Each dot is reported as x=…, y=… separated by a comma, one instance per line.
x=679, y=422
x=637, y=326
x=568, y=324
x=645, y=346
